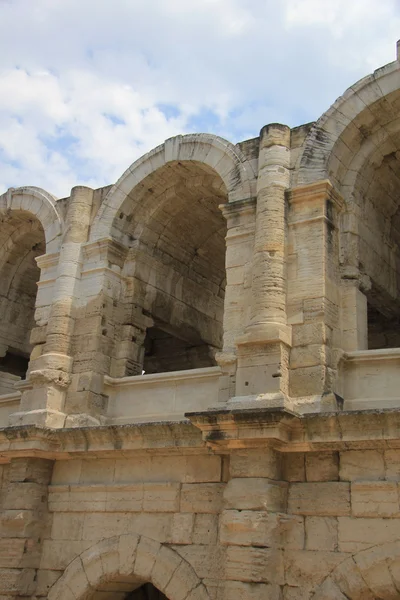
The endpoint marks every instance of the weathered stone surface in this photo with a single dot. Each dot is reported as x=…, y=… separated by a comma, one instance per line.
x=255, y=494
x=195, y=411
x=358, y=465
x=249, y=528
x=375, y=499
x=323, y=499
x=202, y=498
x=321, y=533
x=254, y=565
x=322, y=466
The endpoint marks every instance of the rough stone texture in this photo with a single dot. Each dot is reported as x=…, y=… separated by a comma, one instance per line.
x=199, y=369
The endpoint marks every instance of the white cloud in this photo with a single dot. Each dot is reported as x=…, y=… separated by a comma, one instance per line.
x=88, y=86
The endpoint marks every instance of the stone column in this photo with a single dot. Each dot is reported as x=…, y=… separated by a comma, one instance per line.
x=43, y=397
x=24, y=524
x=263, y=352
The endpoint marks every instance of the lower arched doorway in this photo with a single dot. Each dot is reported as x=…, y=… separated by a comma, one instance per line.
x=122, y=591
x=129, y=566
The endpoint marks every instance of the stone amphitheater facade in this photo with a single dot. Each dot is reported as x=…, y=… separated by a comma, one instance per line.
x=200, y=369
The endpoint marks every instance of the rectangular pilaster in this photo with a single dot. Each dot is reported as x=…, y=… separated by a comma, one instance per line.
x=24, y=524
x=313, y=289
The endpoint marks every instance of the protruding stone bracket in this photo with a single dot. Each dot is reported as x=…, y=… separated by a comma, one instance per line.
x=245, y=428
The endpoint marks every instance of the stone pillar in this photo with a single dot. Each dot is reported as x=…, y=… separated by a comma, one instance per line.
x=43, y=397
x=314, y=292
x=97, y=326
x=24, y=524
x=253, y=526
x=263, y=352
x=240, y=218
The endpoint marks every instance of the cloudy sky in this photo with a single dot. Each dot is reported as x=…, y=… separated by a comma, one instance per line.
x=88, y=86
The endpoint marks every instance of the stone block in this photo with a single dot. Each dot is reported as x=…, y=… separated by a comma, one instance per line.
x=307, y=356
x=207, y=561
x=120, y=498
x=205, y=529
x=32, y=470
x=375, y=499
x=255, y=463
x=66, y=471
x=202, y=497
x=251, y=591
x=98, y=526
x=146, y=555
x=307, y=381
x=21, y=523
x=308, y=568
x=127, y=545
x=12, y=552
x=97, y=471
x=67, y=526
x=17, y=582
x=157, y=526
x=293, y=467
x=322, y=466
x=249, y=528
x=77, y=581
x=392, y=464
x=319, y=499
x=255, y=493
x=182, y=581
x=355, y=534
x=321, y=533
x=310, y=333
x=167, y=562
x=161, y=497
x=254, y=565
x=182, y=528
x=359, y=465
x=292, y=532
x=25, y=496
x=45, y=580
x=56, y=555
x=351, y=582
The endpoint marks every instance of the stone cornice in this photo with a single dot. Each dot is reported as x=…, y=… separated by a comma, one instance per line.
x=224, y=430
x=112, y=441
x=214, y=430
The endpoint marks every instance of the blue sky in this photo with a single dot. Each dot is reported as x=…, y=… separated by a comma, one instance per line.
x=88, y=86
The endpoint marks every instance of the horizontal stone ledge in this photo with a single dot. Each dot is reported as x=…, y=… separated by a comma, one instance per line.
x=232, y=428
x=219, y=429
x=170, y=377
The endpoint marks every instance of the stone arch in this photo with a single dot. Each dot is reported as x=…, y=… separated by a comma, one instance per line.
x=125, y=562
x=367, y=575
x=39, y=203
x=212, y=151
x=338, y=132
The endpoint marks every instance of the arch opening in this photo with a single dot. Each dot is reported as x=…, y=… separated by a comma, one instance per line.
x=22, y=239
x=126, y=588
x=368, y=175
x=174, y=271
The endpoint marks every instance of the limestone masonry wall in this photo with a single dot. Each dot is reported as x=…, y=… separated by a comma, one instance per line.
x=199, y=369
